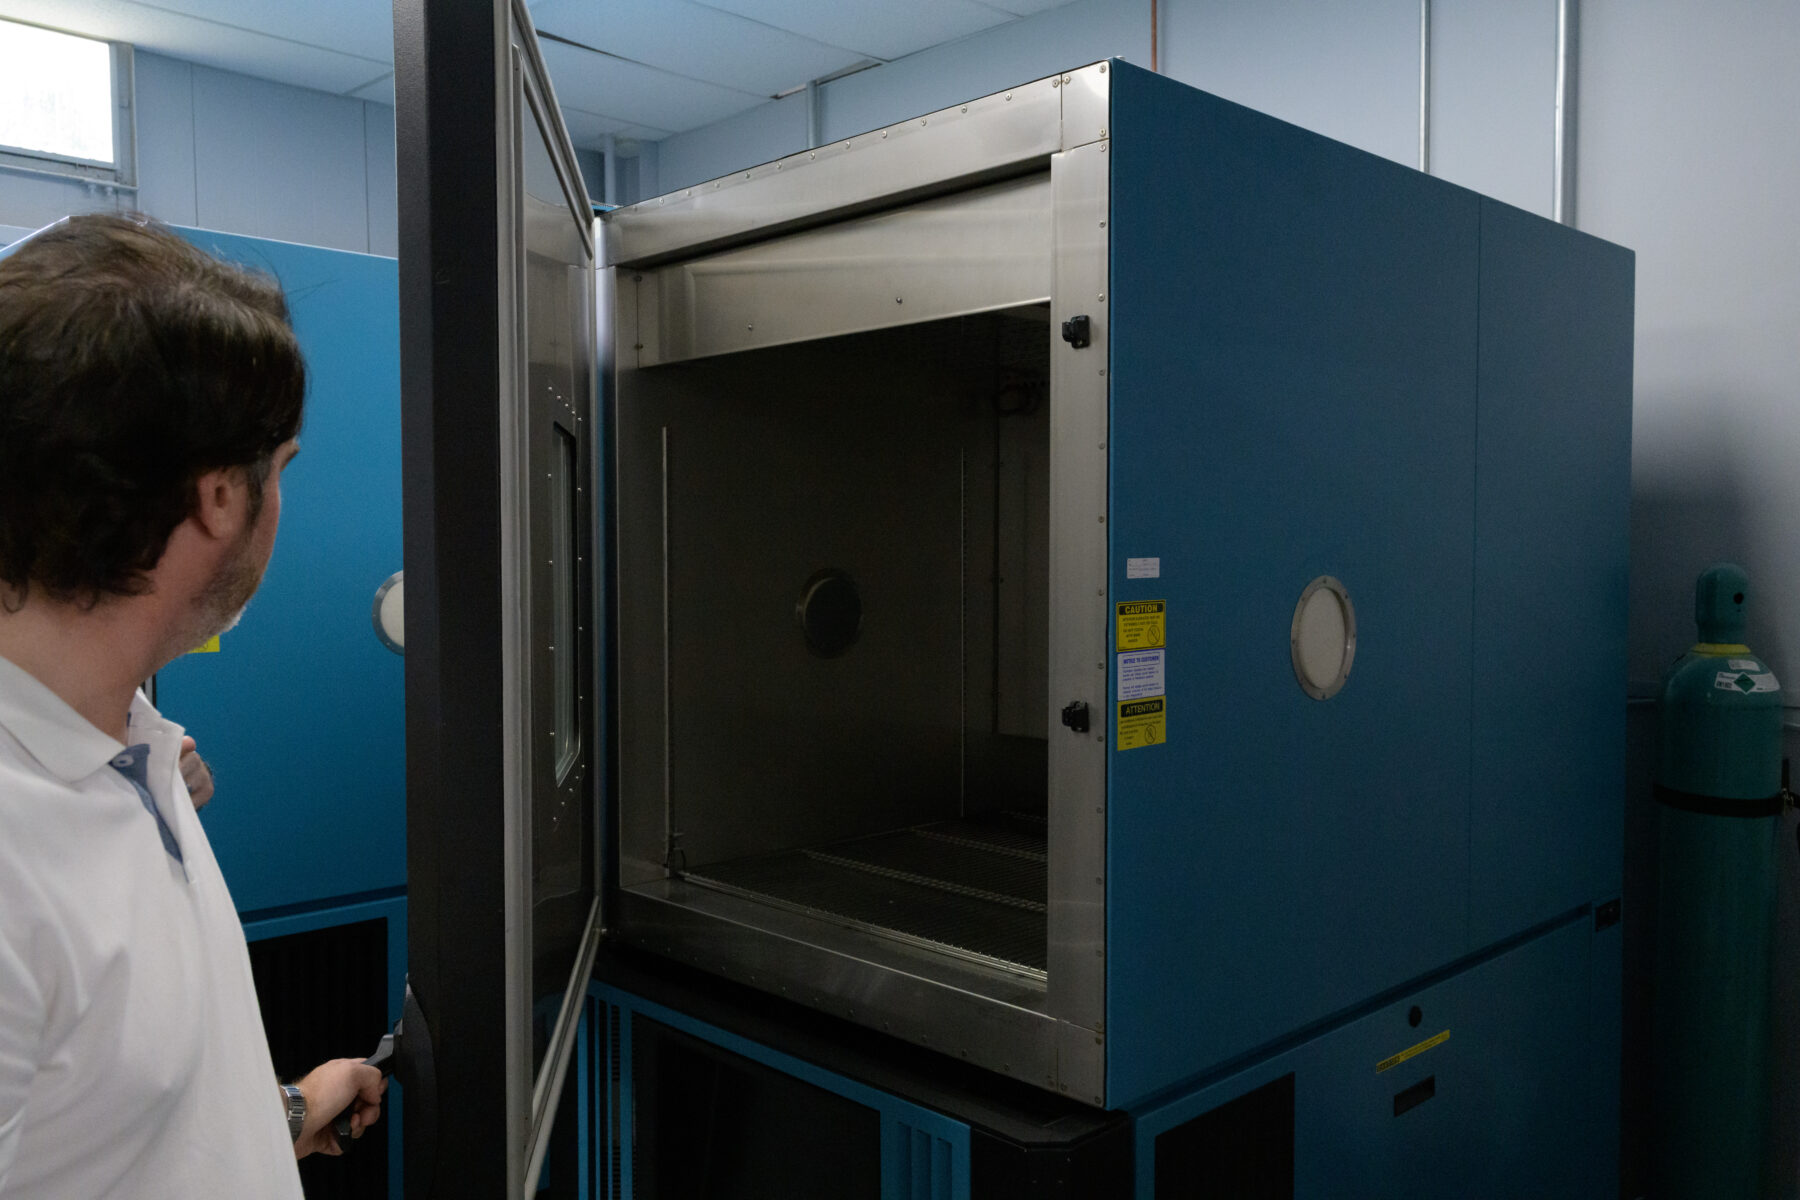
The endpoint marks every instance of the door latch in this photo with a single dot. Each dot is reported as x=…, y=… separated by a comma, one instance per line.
x=1075, y=715
x=1078, y=331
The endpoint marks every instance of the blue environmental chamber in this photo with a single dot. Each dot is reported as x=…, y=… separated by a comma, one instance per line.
x=1204, y=488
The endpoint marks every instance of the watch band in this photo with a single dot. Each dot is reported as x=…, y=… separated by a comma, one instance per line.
x=296, y=1110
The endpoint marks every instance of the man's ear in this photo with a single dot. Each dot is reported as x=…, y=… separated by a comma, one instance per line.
x=221, y=505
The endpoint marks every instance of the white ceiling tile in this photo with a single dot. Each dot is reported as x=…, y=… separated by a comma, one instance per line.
x=364, y=28
x=694, y=40
x=181, y=36
x=636, y=94
x=1024, y=8
x=877, y=28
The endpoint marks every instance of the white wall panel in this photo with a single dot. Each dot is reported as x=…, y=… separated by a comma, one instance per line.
x=165, y=117
x=1689, y=118
x=31, y=201
x=766, y=132
x=1493, y=98
x=1348, y=71
x=383, y=200
x=279, y=162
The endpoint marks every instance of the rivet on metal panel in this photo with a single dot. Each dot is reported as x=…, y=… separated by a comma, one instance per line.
x=1103, y=370
x=687, y=191
x=1102, y=519
x=715, y=185
x=1103, y=224
x=1100, y=737
x=898, y=300
x=1065, y=79
x=778, y=166
x=1100, y=666
x=1103, y=133
x=1056, y=82
x=661, y=200
x=846, y=145
x=1099, y=879
x=746, y=174
x=1100, y=953
x=921, y=120
x=640, y=278
x=965, y=108
x=812, y=154
x=749, y=329
x=1099, y=591
x=1102, y=295
x=1104, y=145
x=1009, y=95
x=1103, y=68
x=884, y=135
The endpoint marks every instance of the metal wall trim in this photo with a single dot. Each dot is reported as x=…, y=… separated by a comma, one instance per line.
x=912, y=995
x=1079, y=424
x=984, y=139
x=970, y=252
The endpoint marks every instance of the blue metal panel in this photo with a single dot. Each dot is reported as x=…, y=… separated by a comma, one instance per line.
x=1293, y=395
x=300, y=712
x=1511, y=1113
x=1554, y=454
x=924, y=1154
x=919, y=1164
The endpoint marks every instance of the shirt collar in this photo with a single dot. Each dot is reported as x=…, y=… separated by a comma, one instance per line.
x=66, y=743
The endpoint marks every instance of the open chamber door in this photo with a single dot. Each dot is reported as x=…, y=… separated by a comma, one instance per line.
x=504, y=753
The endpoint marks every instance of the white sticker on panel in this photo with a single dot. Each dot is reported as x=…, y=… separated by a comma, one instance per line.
x=1141, y=674
x=1143, y=568
x=1743, y=664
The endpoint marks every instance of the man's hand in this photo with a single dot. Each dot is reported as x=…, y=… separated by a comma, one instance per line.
x=196, y=774
x=329, y=1090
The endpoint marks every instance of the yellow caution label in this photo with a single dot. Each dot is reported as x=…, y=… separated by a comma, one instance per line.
x=1142, y=723
x=209, y=646
x=1141, y=624
x=1388, y=1064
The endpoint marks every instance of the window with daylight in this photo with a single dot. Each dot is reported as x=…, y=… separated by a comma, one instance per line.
x=59, y=98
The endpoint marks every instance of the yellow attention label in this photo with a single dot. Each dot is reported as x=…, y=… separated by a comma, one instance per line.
x=1141, y=624
x=1388, y=1064
x=209, y=646
x=1143, y=723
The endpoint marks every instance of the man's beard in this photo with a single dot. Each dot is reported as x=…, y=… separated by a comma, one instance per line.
x=221, y=604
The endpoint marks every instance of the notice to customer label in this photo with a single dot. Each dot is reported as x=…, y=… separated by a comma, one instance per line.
x=1141, y=674
x=1141, y=624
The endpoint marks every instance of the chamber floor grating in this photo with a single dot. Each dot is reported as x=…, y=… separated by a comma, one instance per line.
x=975, y=886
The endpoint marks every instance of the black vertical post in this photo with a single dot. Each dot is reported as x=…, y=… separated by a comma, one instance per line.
x=449, y=57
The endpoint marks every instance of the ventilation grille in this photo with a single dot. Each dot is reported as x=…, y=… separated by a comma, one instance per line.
x=324, y=995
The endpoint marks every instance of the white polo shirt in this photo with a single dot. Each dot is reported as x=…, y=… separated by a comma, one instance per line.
x=132, y=1056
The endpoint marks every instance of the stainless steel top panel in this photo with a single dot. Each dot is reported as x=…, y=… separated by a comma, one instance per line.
x=990, y=138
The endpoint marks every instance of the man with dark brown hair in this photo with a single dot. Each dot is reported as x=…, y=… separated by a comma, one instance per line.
x=150, y=397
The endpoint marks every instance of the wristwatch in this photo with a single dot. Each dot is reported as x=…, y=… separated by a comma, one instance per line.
x=296, y=1109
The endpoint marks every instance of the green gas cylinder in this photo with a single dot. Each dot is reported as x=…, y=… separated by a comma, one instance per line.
x=1718, y=786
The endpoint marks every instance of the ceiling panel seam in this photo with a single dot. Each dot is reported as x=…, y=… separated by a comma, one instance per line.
x=547, y=36
x=274, y=37
x=381, y=78
x=588, y=112
x=790, y=32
